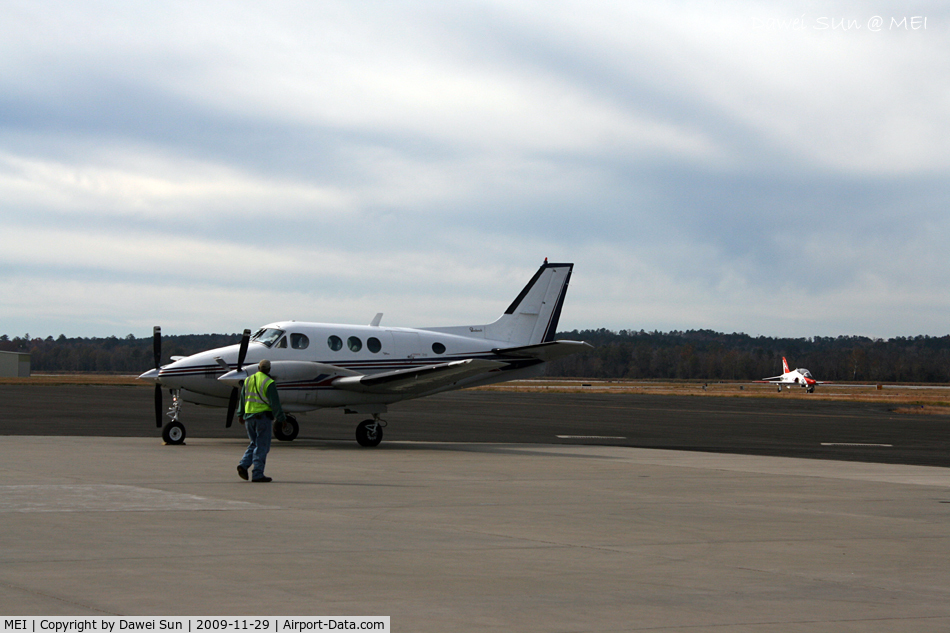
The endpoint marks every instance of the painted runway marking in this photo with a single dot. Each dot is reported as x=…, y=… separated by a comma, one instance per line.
x=855, y=444
x=107, y=498
x=590, y=437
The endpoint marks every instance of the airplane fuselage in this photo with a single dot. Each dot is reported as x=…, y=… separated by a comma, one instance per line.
x=362, y=350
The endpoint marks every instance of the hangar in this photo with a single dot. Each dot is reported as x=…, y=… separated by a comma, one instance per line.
x=14, y=365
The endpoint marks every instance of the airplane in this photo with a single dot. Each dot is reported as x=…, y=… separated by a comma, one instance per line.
x=363, y=369
x=799, y=376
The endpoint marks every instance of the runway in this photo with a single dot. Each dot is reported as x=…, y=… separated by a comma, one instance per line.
x=821, y=429
x=451, y=525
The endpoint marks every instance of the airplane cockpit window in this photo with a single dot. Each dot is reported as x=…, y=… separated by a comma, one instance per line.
x=299, y=341
x=335, y=343
x=804, y=372
x=373, y=344
x=354, y=344
x=267, y=336
x=438, y=348
x=282, y=343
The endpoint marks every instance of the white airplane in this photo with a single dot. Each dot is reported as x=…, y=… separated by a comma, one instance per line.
x=801, y=377
x=365, y=368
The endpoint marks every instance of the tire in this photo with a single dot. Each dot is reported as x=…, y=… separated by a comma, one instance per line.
x=287, y=431
x=364, y=437
x=174, y=433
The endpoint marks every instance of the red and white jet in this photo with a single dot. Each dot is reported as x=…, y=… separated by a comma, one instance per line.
x=801, y=377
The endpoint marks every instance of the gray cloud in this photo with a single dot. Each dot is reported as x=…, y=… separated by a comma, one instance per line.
x=703, y=166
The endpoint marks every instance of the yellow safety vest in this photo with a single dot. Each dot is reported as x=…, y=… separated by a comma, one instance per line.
x=255, y=393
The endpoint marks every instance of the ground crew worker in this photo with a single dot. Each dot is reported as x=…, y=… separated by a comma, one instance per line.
x=258, y=407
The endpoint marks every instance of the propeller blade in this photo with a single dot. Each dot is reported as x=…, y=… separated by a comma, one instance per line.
x=158, y=406
x=235, y=393
x=232, y=406
x=157, y=345
x=245, y=339
x=157, y=351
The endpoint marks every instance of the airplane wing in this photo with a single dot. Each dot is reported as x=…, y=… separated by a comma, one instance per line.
x=417, y=379
x=773, y=379
x=544, y=351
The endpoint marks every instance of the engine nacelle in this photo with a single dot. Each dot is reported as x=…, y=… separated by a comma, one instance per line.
x=289, y=371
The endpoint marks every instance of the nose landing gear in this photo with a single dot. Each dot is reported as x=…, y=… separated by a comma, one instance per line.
x=174, y=431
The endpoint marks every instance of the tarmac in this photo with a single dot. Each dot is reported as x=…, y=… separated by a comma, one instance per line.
x=474, y=536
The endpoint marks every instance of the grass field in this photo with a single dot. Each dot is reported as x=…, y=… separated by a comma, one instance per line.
x=910, y=399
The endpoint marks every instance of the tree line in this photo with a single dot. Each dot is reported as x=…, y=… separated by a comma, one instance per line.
x=709, y=355
x=689, y=355
x=127, y=355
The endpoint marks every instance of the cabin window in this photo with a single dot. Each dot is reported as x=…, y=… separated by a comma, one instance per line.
x=373, y=344
x=438, y=348
x=354, y=344
x=267, y=336
x=335, y=343
x=299, y=341
x=282, y=343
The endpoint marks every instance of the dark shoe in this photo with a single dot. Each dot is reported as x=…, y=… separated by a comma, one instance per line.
x=242, y=472
x=262, y=480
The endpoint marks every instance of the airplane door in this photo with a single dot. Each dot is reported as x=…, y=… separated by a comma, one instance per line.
x=407, y=345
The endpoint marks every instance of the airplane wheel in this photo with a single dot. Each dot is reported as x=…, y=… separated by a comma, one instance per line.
x=810, y=390
x=287, y=431
x=174, y=433
x=780, y=389
x=369, y=433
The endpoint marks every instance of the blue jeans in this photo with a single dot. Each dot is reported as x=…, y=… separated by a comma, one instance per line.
x=259, y=428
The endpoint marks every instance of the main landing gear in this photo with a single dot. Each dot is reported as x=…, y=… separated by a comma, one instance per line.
x=287, y=431
x=369, y=433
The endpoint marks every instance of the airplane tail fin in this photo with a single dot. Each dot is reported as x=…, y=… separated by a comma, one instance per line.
x=533, y=316
x=785, y=368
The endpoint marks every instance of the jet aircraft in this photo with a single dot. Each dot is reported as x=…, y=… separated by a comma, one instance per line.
x=363, y=369
x=801, y=377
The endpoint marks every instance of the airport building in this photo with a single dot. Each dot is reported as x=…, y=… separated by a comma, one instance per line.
x=14, y=364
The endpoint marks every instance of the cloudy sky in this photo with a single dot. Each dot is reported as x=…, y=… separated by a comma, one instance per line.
x=764, y=167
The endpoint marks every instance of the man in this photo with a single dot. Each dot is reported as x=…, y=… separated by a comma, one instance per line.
x=258, y=406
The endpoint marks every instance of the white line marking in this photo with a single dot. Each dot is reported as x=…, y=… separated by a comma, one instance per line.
x=590, y=437
x=854, y=444
x=107, y=498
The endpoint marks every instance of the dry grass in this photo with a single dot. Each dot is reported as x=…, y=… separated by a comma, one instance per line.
x=910, y=399
x=77, y=379
x=932, y=399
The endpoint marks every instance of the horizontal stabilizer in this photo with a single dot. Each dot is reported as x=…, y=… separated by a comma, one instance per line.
x=545, y=351
x=418, y=379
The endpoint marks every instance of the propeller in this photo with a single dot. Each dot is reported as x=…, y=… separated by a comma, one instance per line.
x=236, y=392
x=157, y=350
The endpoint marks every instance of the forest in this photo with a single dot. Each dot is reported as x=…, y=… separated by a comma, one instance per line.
x=690, y=355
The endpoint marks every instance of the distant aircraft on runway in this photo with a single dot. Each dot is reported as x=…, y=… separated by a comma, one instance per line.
x=801, y=377
x=365, y=368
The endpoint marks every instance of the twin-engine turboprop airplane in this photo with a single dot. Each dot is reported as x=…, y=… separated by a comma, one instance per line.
x=365, y=368
x=801, y=377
